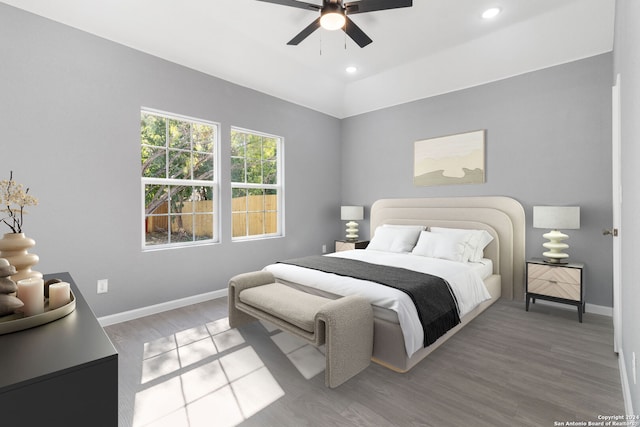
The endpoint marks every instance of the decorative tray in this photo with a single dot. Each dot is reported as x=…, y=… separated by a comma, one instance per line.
x=17, y=322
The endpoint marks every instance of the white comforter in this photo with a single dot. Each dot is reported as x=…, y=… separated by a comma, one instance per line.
x=465, y=282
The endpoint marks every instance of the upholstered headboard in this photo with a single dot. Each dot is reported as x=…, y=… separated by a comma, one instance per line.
x=502, y=217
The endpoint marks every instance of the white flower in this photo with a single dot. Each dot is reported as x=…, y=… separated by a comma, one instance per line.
x=14, y=197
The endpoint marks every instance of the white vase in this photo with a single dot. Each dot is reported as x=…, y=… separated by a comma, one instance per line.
x=14, y=248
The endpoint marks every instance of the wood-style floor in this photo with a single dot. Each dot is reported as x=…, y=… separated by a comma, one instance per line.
x=508, y=367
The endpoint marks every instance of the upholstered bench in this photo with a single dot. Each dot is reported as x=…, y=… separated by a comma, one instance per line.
x=344, y=325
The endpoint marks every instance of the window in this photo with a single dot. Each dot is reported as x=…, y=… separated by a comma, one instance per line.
x=179, y=180
x=256, y=185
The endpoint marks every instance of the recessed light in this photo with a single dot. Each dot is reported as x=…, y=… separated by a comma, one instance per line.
x=491, y=13
x=351, y=69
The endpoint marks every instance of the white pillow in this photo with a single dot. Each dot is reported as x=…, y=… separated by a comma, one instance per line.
x=475, y=241
x=408, y=227
x=438, y=245
x=483, y=241
x=394, y=239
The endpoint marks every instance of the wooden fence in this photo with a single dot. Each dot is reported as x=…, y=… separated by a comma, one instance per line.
x=259, y=212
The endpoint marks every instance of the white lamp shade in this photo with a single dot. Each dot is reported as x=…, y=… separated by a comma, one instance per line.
x=556, y=217
x=332, y=17
x=332, y=21
x=351, y=213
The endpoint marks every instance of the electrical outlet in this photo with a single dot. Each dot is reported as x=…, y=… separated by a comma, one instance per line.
x=103, y=286
x=634, y=367
x=324, y=249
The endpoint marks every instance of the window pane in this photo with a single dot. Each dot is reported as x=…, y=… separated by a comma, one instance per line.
x=269, y=148
x=202, y=166
x=237, y=144
x=179, y=164
x=187, y=206
x=156, y=199
x=156, y=230
x=239, y=228
x=254, y=148
x=258, y=196
x=271, y=200
x=179, y=195
x=256, y=223
x=179, y=134
x=178, y=231
x=254, y=172
x=203, y=137
x=239, y=200
x=203, y=228
x=153, y=130
x=154, y=162
x=237, y=170
x=271, y=222
x=256, y=202
x=270, y=171
x=156, y=218
x=203, y=193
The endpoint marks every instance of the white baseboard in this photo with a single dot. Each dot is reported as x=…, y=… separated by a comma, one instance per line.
x=159, y=308
x=183, y=302
x=624, y=379
x=591, y=308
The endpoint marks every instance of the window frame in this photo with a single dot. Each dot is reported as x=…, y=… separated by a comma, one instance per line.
x=213, y=184
x=278, y=186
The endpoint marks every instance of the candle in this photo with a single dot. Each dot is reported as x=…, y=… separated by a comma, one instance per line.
x=59, y=295
x=31, y=293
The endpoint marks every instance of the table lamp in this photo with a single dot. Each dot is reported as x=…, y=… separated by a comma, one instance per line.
x=556, y=218
x=352, y=214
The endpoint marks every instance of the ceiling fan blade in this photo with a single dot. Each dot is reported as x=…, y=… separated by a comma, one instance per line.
x=356, y=33
x=373, y=5
x=294, y=3
x=305, y=33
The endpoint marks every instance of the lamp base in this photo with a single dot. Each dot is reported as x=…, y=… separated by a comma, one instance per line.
x=352, y=231
x=554, y=255
x=555, y=260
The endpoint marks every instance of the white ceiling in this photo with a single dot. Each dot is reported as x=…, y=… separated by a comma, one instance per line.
x=434, y=47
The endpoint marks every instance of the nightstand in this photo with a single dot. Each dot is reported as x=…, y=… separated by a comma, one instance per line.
x=347, y=245
x=561, y=283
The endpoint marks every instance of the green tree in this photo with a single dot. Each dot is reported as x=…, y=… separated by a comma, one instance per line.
x=176, y=149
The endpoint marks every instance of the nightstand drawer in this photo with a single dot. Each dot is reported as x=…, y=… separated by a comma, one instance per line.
x=556, y=274
x=348, y=245
x=554, y=289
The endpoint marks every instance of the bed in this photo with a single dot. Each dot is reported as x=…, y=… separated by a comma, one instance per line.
x=499, y=267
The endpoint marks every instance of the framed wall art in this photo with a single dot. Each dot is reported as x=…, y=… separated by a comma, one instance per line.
x=451, y=159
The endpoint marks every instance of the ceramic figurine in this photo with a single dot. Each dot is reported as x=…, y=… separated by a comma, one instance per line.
x=8, y=300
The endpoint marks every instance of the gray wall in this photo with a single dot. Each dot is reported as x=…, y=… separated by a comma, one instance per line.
x=627, y=63
x=548, y=142
x=70, y=111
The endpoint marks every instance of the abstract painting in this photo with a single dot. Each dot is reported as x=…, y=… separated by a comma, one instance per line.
x=452, y=159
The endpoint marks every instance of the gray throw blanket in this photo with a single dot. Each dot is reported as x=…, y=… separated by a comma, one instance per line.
x=434, y=300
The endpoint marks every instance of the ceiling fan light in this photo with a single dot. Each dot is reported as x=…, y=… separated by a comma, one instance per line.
x=332, y=20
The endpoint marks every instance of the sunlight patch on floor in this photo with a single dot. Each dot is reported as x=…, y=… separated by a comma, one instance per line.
x=308, y=360
x=202, y=376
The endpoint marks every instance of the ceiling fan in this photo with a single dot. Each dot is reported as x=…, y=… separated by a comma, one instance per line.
x=334, y=15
